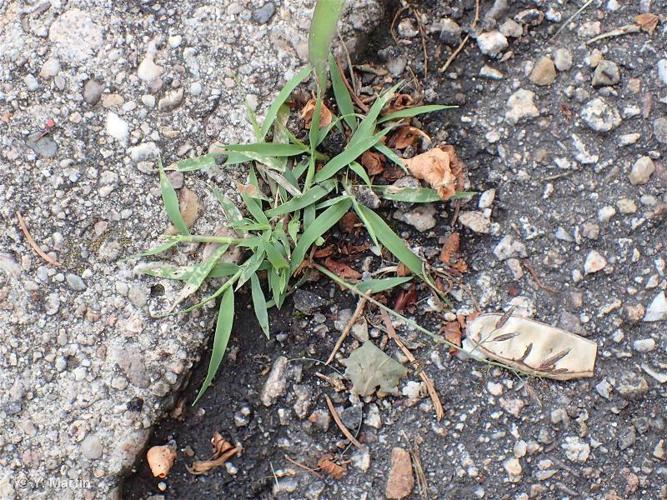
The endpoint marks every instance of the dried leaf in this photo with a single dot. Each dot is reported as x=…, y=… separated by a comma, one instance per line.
x=369, y=368
x=440, y=168
x=188, y=204
x=160, y=460
x=348, y=222
x=401, y=101
x=647, y=22
x=327, y=465
x=309, y=109
x=406, y=136
x=342, y=270
x=323, y=252
x=402, y=270
x=407, y=298
x=373, y=162
x=452, y=331
x=223, y=450
x=450, y=249
x=533, y=347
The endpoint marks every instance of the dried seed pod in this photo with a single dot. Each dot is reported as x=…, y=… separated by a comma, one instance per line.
x=161, y=460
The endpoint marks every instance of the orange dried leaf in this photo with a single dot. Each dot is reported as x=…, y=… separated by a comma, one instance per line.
x=340, y=269
x=450, y=249
x=406, y=136
x=407, y=298
x=647, y=22
x=326, y=251
x=223, y=450
x=402, y=270
x=440, y=168
x=309, y=109
x=327, y=465
x=401, y=101
x=373, y=162
x=348, y=222
x=452, y=331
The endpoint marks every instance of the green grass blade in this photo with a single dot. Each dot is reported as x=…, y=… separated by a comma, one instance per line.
x=250, y=266
x=293, y=227
x=391, y=240
x=255, y=209
x=252, y=118
x=342, y=95
x=200, y=163
x=410, y=112
x=313, y=195
x=280, y=99
x=223, y=330
x=223, y=270
x=259, y=304
x=361, y=172
x=322, y=32
x=391, y=156
x=158, y=270
x=369, y=227
x=410, y=195
x=380, y=285
x=199, y=273
x=267, y=149
x=230, y=209
x=314, y=231
x=163, y=247
x=170, y=200
x=367, y=127
x=275, y=256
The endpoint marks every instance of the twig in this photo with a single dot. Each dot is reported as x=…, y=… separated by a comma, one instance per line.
x=569, y=20
x=417, y=464
x=304, y=467
x=623, y=30
x=476, y=19
x=422, y=34
x=454, y=54
x=36, y=248
x=346, y=331
x=537, y=279
x=393, y=23
x=439, y=410
x=346, y=432
x=354, y=95
x=349, y=63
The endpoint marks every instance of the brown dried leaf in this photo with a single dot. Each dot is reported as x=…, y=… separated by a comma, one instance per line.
x=406, y=136
x=373, y=162
x=340, y=269
x=440, y=168
x=309, y=109
x=402, y=270
x=160, y=460
x=348, y=222
x=223, y=450
x=449, y=255
x=323, y=252
x=407, y=298
x=647, y=22
x=401, y=101
x=188, y=203
x=327, y=465
x=452, y=331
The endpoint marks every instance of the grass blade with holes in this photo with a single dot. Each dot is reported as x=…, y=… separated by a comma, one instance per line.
x=223, y=330
x=267, y=149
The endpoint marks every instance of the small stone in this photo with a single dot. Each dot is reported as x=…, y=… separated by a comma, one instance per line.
x=662, y=71
x=486, y=199
x=396, y=65
x=604, y=389
x=144, y=151
x=50, y=68
x=643, y=345
x=92, y=91
x=530, y=17
x=171, y=100
x=627, y=438
x=513, y=468
x=476, y=221
x=590, y=230
x=657, y=310
x=275, y=384
x=510, y=28
x=44, y=146
x=635, y=312
x=308, y=302
x=75, y=282
x=641, y=171
x=508, y=247
x=148, y=71
x=601, y=116
x=626, y=206
x=91, y=448
x=563, y=59
x=571, y=323
x=628, y=139
x=31, y=83
x=321, y=419
x=422, y=218
x=520, y=107
x=659, y=450
x=589, y=29
x=450, y=32
x=631, y=386
x=544, y=72
x=400, y=481
x=520, y=448
x=148, y=100
x=117, y=128
x=491, y=73
x=264, y=14
x=284, y=485
x=174, y=41
x=494, y=388
x=111, y=101
x=606, y=73
x=361, y=459
x=75, y=36
x=660, y=130
x=492, y=43
x=594, y=262
x=576, y=450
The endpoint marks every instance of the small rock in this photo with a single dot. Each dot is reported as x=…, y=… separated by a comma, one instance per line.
x=628, y=139
x=660, y=130
x=351, y=416
x=657, y=310
x=576, y=450
x=50, y=68
x=590, y=230
x=604, y=389
x=563, y=59
x=75, y=36
x=31, y=83
x=361, y=459
x=91, y=448
x=606, y=213
x=631, y=386
x=530, y=17
x=491, y=73
x=421, y=218
x=92, y=91
x=171, y=100
x=641, y=171
x=635, y=312
x=486, y=199
x=400, y=481
x=662, y=71
x=308, y=302
x=144, y=151
x=544, y=72
x=264, y=14
x=450, y=32
x=44, y=146
x=659, y=450
x=571, y=323
x=276, y=383
x=148, y=71
x=284, y=485
x=510, y=28
x=513, y=468
x=520, y=107
x=627, y=438
x=606, y=73
x=492, y=43
x=495, y=388
x=643, y=345
x=601, y=116
x=476, y=221
x=117, y=128
x=508, y=247
x=75, y=282
x=396, y=65
x=626, y=206
x=594, y=262
x=589, y=29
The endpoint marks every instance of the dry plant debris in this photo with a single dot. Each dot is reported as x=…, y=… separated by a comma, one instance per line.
x=346, y=432
x=647, y=22
x=373, y=162
x=440, y=168
x=369, y=368
x=407, y=136
x=308, y=110
x=327, y=465
x=190, y=208
x=160, y=460
x=36, y=248
x=223, y=450
x=400, y=481
x=533, y=347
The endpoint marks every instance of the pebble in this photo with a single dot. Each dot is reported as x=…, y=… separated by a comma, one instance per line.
x=264, y=14
x=144, y=151
x=641, y=171
x=75, y=282
x=31, y=83
x=657, y=310
x=576, y=450
x=486, y=199
x=92, y=91
x=631, y=385
x=589, y=29
x=606, y=73
x=91, y=448
x=422, y=218
x=400, y=481
x=604, y=389
x=148, y=71
x=492, y=43
x=544, y=72
x=476, y=221
x=45, y=146
x=75, y=36
x=494, y=388
x=601, y=116
x=450, y=32
x=628, y=139
x=50, y=68
x=513, y=468
x=626, y=206
x=275, y=384
x=117, y=128
x=660, y=130
x=643, y=345
x=171, y=100
x=594, y=262
x=520, y=107
x=148, y=100
x=510, y=28
x=508, y=247
x=627, y=438
x=361, y=459
x=659, y=450
x=491, y=73
x=308, y=302
x=563, y=59
x=662, y=71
